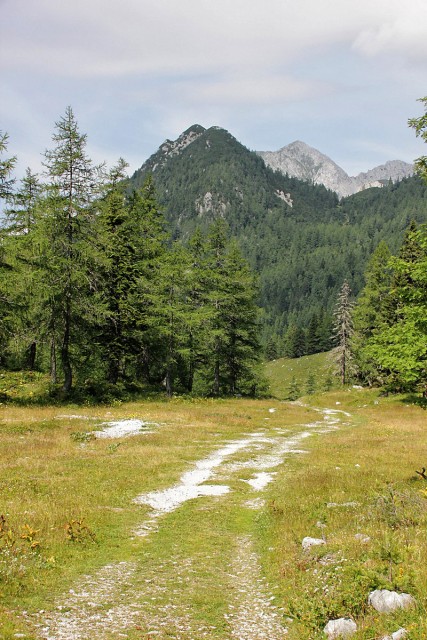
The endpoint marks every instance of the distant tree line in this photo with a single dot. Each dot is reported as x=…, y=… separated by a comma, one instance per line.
x=93, y=290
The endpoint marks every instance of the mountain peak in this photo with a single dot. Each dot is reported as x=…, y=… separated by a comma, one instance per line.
x=299, y=160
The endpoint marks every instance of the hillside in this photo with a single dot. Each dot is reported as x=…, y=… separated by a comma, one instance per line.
x=299, y=237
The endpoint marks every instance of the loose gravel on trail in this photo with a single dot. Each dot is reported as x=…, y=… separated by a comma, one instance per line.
x=255, y=616
x=123, y=596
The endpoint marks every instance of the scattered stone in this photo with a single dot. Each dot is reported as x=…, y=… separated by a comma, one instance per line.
x=333, y=505
x=328, y=559
x=397, y=635
x=311, y=542
x=361, y=537
x=340, y=628
x=385, y=601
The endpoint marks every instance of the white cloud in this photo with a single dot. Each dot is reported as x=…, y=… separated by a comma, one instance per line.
x=138, y=71
x=98, y=38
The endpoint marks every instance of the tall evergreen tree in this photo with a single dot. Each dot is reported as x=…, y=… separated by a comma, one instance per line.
x=232, y=347
x=6, y=168
x=420, y=127
x=400, y=348
x=6, y=189
x=67, y=228
x=20, y=249
x=375, y=309
x=344, y=330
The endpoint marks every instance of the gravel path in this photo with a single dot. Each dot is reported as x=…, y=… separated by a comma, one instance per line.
x=255, y=616
x=119, y=597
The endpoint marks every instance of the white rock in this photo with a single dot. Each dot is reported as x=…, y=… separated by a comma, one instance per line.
x=397, y=635
x=311, y=542
x=341, y=628
x=361, y=537
x=385, y=601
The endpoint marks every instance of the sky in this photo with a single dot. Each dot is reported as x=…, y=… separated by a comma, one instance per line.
x=340, y=75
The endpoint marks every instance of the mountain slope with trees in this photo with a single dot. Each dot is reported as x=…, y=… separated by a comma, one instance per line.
x=300, y=238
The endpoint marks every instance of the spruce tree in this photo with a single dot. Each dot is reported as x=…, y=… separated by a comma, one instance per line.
x=20, y=250
x=375, y=308
x=400, y=348
x=232, y=348
x=343, y=329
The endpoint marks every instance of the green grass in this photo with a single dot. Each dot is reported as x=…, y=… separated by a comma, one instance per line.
x=286, y=375
x=53, y=478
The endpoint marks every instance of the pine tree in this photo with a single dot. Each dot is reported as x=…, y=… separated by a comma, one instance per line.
x=400, y=348
x=119, y=275
x=420, y=127
x=294, y=342
x=312, y=335
x=344, y=330
x=20, y=250
x=294, y=389
x=310, y=385
x=231, y=349
x=173, y=317
x=374, y=309
x=6, y=168
x=6, y=190
x=66, y=231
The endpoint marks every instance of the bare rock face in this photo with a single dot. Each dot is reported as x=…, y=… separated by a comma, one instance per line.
x=299, y=160
x=340, y=628
x=385, y=601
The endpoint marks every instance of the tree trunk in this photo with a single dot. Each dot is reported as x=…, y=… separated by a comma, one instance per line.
x=65, y=351
x=168, y=382
x=113, y=370
x=53, y=373
x=32, y=351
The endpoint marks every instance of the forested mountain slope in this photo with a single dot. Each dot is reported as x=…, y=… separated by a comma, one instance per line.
x=299, y=237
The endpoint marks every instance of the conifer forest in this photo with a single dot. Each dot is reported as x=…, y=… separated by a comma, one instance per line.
x=114, y=284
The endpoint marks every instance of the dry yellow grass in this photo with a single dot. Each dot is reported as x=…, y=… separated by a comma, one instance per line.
x=51, y=477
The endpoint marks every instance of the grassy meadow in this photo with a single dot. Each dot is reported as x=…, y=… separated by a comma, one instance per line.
x=67, y=507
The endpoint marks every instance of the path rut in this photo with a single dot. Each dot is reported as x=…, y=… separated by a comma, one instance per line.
x=117, y=598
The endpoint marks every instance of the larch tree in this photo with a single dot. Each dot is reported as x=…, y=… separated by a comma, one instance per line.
x=66, y=230
x=6, y=189
x=6, y=168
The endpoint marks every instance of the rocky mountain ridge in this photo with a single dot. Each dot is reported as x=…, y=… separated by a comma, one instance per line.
x=301, y=161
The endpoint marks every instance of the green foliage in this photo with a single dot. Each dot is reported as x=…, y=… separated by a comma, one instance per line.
x=420, y=127
x=344, y=331
x=301, y=253
x=394, y=349
x=6, y=168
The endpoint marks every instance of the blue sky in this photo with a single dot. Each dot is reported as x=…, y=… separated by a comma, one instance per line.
x=342, y=76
